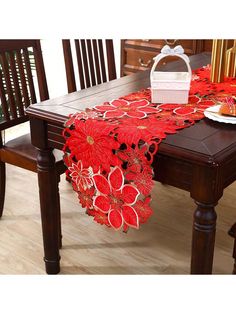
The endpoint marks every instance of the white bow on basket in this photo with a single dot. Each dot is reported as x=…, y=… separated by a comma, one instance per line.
x=167, y=51
x=177, y=50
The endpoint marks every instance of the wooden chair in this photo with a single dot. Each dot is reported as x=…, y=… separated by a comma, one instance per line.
x=17, y=91
x=232, y=233
x=91, y=62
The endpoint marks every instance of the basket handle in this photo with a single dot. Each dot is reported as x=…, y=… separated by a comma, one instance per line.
x=178, y=51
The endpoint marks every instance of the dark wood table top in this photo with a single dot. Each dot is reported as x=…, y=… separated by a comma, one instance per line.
x=203, y=141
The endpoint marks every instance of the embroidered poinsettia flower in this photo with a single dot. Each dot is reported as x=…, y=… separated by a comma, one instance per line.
x=135, y=130
x=81, y=176
x=90, y=142
x=204, y=104
x=116, y=199
x=196, y=116
x=86, y=197
x=168, y=106
x=183, y=111
x=143, y=94
x=99, y=217
x=204, y=72
x=119, y=108
x=193, y=99
x=227, y=87
x=81, y=115
x=143, y=209
x=201, y=88
x=134, y=157
x=142, y=180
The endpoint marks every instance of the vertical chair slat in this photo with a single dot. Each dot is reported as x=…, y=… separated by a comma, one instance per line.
x=96, y=60
x=91, y=63
x=3, y=100
x=70, y=74
x=29, y=75
x=40, y=70
x=110, y=60
x=17, y=91
x=22, y=78
x=9, y=90
x=96, y=63
x=80, y=66
x=85, y=62
x=103, y=68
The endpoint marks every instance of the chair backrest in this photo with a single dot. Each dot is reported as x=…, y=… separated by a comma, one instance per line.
x=91, y=62
x=17, y=84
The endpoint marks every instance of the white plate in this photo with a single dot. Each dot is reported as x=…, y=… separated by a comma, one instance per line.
x=213, y=114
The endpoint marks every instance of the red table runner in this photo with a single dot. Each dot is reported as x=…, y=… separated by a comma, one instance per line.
x=109, y=148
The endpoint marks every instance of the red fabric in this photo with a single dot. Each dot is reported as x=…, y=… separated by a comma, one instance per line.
x=109, y=149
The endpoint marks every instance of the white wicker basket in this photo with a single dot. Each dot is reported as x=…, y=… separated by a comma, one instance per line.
x=170, y=87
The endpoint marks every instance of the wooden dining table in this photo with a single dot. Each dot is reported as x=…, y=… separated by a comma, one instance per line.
x=200, y=159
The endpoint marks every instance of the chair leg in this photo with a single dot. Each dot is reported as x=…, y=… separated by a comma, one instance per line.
x=59, y=209
x=2, y=185
x=234, y=256
x=232, y=233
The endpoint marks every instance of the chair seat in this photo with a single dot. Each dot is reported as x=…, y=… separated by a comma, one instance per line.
x=20, y=152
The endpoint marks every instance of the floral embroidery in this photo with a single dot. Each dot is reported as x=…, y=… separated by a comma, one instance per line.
x=116, y=199
x=142, y=180
x=120, y=108
x=82, y=177
x=90, y=142
x=86, y=197
x=143, y=209
x=110, y=149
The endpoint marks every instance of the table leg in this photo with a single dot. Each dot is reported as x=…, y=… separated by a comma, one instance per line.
x=203, y=240
x=50, y=210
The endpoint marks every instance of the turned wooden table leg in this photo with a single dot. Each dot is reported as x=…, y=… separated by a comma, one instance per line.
x=203, y=240
x=50, y=210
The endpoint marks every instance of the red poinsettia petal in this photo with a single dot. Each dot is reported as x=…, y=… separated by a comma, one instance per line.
x=125, y=228
x=208, y=102
x=136, y=114
x=139, y=103
x=130, y=194
x=114, y=114
x=67, y=160
x=193, y=99
x=101, y=184
x=116, y=178
x=150, y=109
x=130, y=216
x=119, y=102
x=168, y=106
x=102, y=203
x=104, y=107
x=115, y=219
x=101, y=218
x=184, y=110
